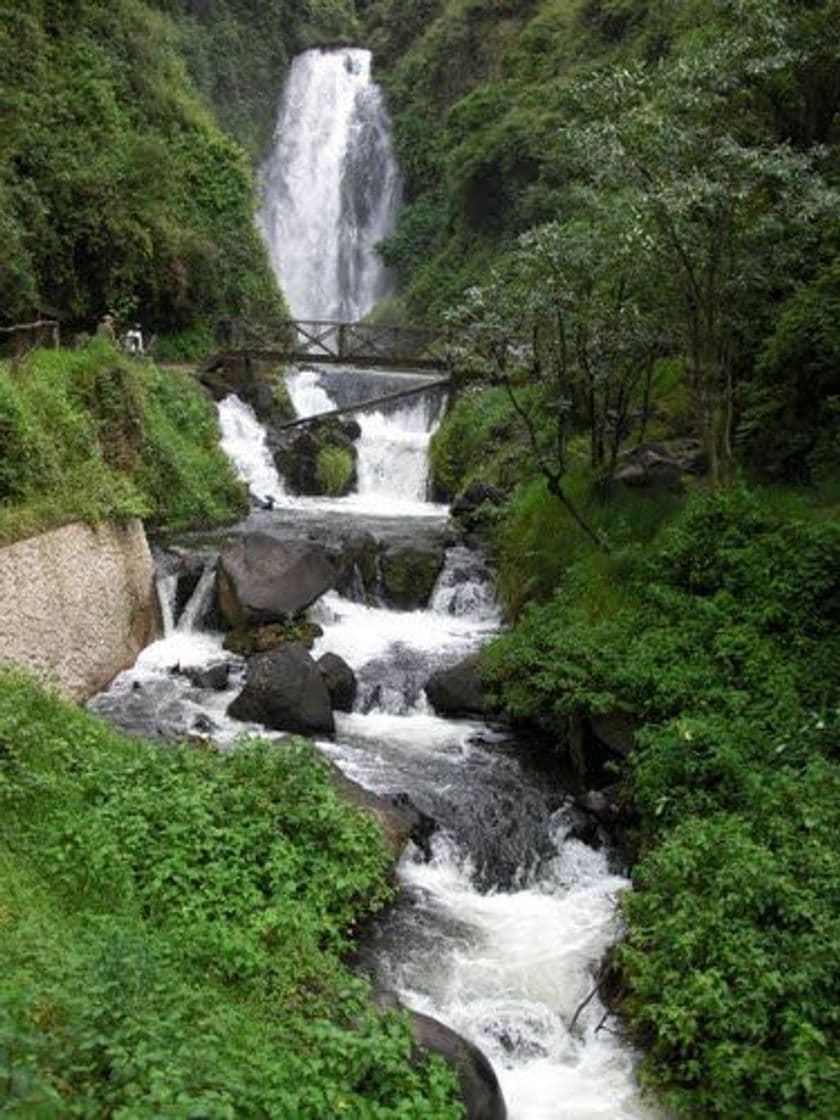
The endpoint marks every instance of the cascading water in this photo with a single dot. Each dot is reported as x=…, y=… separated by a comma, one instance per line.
x=330, y=187
x=499, y=934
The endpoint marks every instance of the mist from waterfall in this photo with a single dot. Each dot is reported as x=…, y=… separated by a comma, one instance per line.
x=330, y=187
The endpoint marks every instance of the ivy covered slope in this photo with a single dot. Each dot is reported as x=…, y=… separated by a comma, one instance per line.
x=118, y=189
x=89, y=434
x=172, y=927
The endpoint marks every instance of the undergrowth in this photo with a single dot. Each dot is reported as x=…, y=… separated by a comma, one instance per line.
x=721, y=637
x=172, y=926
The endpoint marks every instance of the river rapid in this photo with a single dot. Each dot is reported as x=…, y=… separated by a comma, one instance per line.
x=500, y=927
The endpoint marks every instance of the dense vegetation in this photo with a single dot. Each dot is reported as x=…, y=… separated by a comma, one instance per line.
x=91, y=434
x=723, y=640
x=643, y=196
x=119, y=187
x=172, y=927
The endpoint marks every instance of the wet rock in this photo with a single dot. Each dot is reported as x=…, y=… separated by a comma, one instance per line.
x=615, y=731
x=340, y=681
x=458, y=691
x=261, y=639
x=263, y=579
x=409, y=572
x=359, y=574
x=319, y=459
x=213, y=677
x=296, y=460
x=284, y=690
x=397, y=815
x=661, y=466
x=480, y=1089
x=351, y=428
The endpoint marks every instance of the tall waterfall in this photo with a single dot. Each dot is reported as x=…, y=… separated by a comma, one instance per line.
x=330, y=187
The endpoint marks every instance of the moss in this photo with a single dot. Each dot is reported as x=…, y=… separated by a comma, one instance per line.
x=335, y=469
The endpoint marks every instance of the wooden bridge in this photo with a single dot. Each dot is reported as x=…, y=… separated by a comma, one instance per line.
x=349, y=344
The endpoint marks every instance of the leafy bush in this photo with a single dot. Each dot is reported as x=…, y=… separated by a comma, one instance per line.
x=172, y=926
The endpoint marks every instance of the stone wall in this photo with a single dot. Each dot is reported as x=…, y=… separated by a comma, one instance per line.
x=77, y=604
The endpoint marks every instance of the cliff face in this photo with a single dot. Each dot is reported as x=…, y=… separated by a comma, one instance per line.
x=77, y=604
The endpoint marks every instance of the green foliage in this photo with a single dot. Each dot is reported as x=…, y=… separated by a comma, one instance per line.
x=172, y=927
x=334, y=469
x=478, y=439
x=685, y=157
x=792, y=419
x=89, y=434
x=722, y=638
x=116, y=185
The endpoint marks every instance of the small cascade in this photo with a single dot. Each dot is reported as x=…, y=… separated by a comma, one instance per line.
x=464, y=587
x=245, y=444
x=166, y=586
x=307, y=393
x=198, y=603
x=393, y=447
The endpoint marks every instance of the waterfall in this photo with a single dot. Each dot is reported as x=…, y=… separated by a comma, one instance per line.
x=330, y=187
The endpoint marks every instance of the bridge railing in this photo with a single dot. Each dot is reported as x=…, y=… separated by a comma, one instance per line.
x=327, y=340
x=323, y=340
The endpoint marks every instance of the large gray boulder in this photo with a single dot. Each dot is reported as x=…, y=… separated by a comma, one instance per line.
x=262, y=579
x=480, y=1089
x=458, y=691
x=284, y=689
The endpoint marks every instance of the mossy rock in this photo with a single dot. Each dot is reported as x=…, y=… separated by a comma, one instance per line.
x=335, y=470
x=264, y=638
x=409, y=573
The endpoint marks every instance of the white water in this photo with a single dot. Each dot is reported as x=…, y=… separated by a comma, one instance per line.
x=330, y=187
x=245, y=444
x=393, y=467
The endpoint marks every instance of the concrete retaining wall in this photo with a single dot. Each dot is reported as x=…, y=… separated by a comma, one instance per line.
x=77, y=604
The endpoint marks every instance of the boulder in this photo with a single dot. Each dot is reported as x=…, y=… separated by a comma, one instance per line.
x=284, y=690
x=262, y=579
x=213, y=677
x=409, y=572
x=480, y=1089
x=306, y=458
x=396, y=814
x=458, y=691
x=340, y=681
x=359, y=572
x=661, y=466
x=351, y=428
x=296, y=460
x=614, y=730
x=260, y=639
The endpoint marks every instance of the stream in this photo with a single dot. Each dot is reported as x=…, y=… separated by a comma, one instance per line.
x=499, y=931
